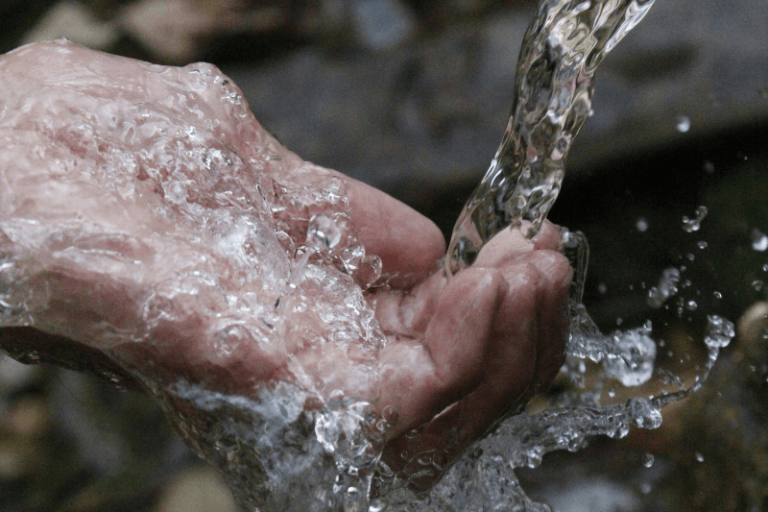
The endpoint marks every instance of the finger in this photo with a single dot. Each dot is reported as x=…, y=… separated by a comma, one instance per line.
x=457, y=336
x=548, y=237
x=507, y=372
x=549, y=276
x=408, y=243
x=421, y=380
x=528, y=339
x=512, y=348
x=553, y=319
x=409, y=313
x=507, y=244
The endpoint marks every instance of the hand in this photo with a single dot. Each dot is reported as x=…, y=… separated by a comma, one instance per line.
x=147, y=215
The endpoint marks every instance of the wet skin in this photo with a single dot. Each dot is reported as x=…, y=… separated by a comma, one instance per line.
x=460, y=352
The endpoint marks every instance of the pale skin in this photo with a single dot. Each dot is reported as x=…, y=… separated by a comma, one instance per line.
x=460, y=353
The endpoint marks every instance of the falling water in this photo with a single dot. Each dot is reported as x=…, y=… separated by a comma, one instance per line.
x=564, y=45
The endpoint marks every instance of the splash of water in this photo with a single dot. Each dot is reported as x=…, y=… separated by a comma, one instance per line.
x=666, y=288
x=694, y=224
x=564, y=45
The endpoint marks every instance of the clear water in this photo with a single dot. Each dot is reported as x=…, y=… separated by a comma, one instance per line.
x=276, y=452
x=564, y=45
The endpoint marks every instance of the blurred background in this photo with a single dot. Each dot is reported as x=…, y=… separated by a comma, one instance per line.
x=412, y=96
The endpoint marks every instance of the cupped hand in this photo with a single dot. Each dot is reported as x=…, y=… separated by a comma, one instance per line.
x=467, y=350
x=147, y=216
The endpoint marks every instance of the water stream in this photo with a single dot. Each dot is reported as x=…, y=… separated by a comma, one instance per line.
x=562, y=48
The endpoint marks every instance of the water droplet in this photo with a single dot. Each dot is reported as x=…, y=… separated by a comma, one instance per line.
x=632, y=356
x=709, y=167
x=717, y=295
x=176, y=192
x=765, y=267
x=370, y=271
x=30, y=357
x=759, y=240
x=612, y=393
x=702, y=245
x=646, y=488
x=699, y=457
x=757, y=284
x=377, y=505
x=666, y=288
x=683, y=124
x=719, y=332
x=644, y=413
x=648, y=459
x=602, y=288
x=424, y=459
x=690, y=256
x=691, y=225
x=642, y=225
x=670, y=378
x=691, y=305
x=390, y=415
x=323, y=232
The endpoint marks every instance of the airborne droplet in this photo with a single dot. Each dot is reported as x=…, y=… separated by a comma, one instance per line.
x=759, y=240
x=648, y=460
x=683, y=124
